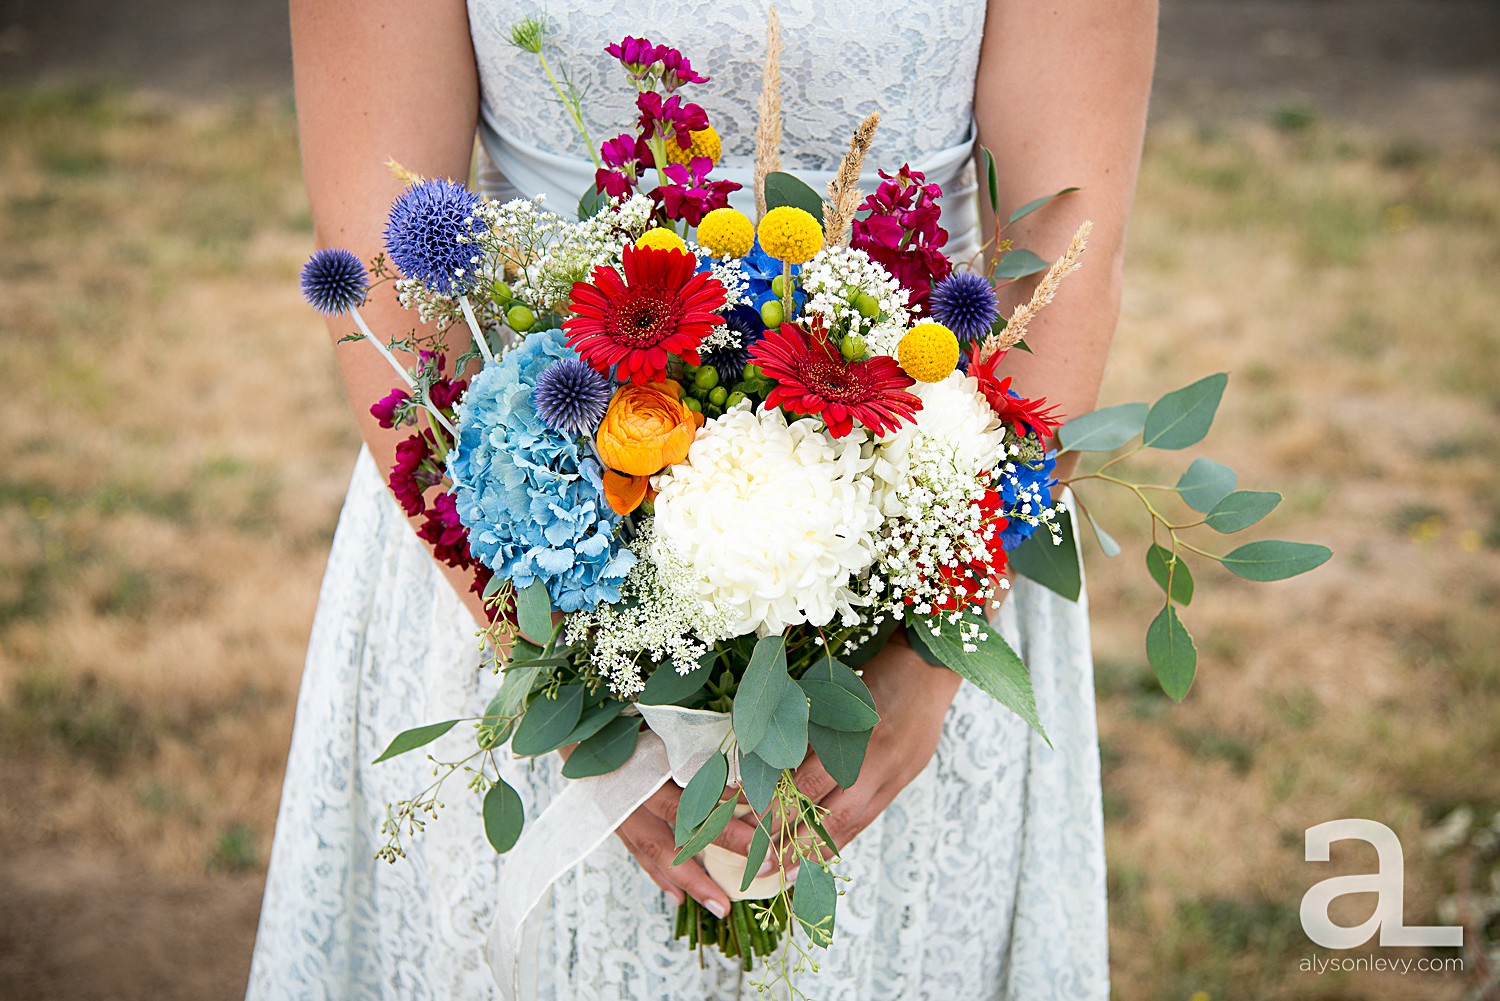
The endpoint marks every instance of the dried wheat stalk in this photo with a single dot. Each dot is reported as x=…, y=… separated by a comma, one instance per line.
x=402, y=174
x=843, y=190
x=1044, y=293
x=768, y=124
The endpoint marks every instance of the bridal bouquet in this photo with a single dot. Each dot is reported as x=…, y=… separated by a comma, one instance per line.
x=703, y=465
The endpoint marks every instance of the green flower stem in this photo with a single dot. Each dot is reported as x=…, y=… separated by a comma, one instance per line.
x=574, y=111
x=788, y=294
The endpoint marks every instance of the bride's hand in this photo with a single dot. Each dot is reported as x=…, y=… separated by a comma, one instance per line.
x=912, y=698
x=648, y=833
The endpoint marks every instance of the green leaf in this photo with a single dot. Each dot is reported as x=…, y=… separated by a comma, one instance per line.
x=831, y=706
x=1241, y=509
x=829, y=669
x=1205, y=483
x=1102, y=430
x=594, y=719
x=758, y=779
x=785, y=742
x=503, y=816
x=1032, y=206
x=1183, y=416
x=1107, y=543
x=591, y=204
x=606, y=750
x=993, y=667
x=810, y=818
x=707, y=831
x=760, y=843
x=991, y=183
x=1018, y=264
x=410, y=740
x=784, y=189
x=701, y=795
x=495, y=584
x=1055, y=567
x=1160, y=564
x=842, y=752
x=547, y=722
x=1171, y=652
x=534, y=612
x=1274, y=559
x=814, y=901
x=760, y=691
x=665, y=687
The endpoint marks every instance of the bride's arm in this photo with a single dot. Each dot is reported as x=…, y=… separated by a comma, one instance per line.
x=379, y=80
x=1060, y=98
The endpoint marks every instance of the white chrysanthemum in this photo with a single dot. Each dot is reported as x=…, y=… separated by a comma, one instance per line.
x=955, y=431
x=776, y=521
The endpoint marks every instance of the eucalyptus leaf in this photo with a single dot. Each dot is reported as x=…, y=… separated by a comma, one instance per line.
x=1241, y=509
x=1036, y=203
x=814, y=902
x=810, y=818
x=1055, y=567
x=831, y=706
x=1183, y=416
x=504, y=816
x=1162, y=566
x=760, y=843
x=1274, y=559
x=701, y=795
x=758, y=780
x=594, y=719
x=1205, y=483
x=548, y=721
x=1102, y=430
x=606, y=750
x=785, y=742
x=830, y=669
x=1018, y=264
x=1107, y=543
x=993, y=666
x=841, y=752
x=495, y=583
x=592, y=203
x=665, y=687
x=991, y=183
x=410, y=740
x=1171, y=651
x=707, y=831
x=784, y=189
x=534, y=611
x=760, y=691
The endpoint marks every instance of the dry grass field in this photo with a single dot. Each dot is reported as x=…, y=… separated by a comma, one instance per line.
x=175, y=452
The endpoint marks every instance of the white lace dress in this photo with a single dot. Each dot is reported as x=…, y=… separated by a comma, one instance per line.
x=984, y=879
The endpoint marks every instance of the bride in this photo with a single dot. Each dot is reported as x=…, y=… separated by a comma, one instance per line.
x=976, y=851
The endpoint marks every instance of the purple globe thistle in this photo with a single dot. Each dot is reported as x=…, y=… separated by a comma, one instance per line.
x=570, y=396
x=334, y=281
x=730, y=361
x=425, y=236
x=964, y=302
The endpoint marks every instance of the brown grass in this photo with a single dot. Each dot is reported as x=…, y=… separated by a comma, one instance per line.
x=176, y=453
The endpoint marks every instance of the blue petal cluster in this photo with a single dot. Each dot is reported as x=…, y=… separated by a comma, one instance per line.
x=531, y=496
x=333, y=281
x=1025, y=491
x=964, y=302
x=762, y=269
x=423, y=235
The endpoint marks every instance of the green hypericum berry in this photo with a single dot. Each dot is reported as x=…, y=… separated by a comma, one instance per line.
x=752, y=370
x=707, y=378
x=520, y=318
x=501, y=293
x=693, y=405
x=852, y=347
x=735, y=399
x=771, y=314
x=718, y=396
x=778, y=286
x=867, y=306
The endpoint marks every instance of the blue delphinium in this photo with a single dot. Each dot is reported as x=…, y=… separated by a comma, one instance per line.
x=964, y=302
x=570, y=396
x=424, y=231
x=334, y=281
x=1025, y=492
x=531, y=496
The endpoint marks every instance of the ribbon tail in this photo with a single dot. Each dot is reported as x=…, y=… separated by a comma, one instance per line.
x=574, y=824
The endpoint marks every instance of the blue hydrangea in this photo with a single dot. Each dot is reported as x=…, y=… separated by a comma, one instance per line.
x=532, y=497
x=1025, y=491
x=426, y=232
x=762, y=269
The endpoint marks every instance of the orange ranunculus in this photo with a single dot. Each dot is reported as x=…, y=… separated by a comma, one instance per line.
x=624, y=493
x=646, y=429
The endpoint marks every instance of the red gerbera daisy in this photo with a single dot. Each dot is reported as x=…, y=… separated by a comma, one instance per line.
x=812, y=377
x=1025, y=415
x=658, y=309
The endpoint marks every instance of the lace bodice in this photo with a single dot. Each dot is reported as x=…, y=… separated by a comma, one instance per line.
x=912, y=62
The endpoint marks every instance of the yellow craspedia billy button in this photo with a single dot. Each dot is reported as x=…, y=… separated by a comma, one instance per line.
x=706, y=142
x=790, y=234
x=727, y=233
x=928, y=352
x=661, y=239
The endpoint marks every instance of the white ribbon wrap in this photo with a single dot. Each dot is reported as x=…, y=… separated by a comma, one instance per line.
x=587, y=812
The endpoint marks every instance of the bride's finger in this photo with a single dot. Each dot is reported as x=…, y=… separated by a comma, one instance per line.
x=653, y=871
x=812, y=779
x=652, y=841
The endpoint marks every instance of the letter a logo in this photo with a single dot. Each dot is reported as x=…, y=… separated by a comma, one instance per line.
x=1388, y=884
